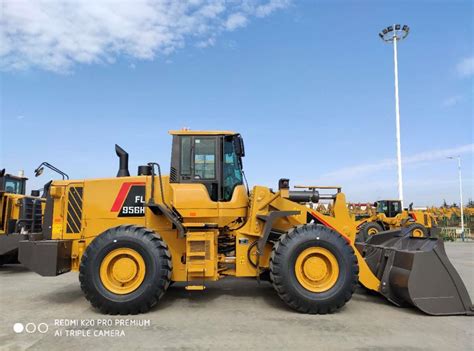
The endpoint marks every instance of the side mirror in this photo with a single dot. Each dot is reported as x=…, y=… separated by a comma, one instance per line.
x=375, y=204
x=39, y=171
x=283, y=183
x=35, y=193
x=239, y=146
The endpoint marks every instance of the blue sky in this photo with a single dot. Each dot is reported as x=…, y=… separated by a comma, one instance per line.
x=309, y=84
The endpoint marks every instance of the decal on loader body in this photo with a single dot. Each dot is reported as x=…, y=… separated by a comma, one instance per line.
x=130, y=200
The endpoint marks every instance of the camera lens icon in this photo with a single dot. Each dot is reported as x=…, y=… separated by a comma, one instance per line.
x=18, y=328
x=30, y=328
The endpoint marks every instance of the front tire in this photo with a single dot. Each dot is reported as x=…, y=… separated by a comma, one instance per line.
x=125, y=270
x=314, y=269
x=418, y=230
x=368, y=229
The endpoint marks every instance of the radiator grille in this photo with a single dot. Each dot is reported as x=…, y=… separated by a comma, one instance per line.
x=173, y=175
x=30, y=215
x=74, y=210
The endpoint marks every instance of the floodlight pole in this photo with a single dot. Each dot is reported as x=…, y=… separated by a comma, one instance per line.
x=460, y=193
x=397, y=113
x=394, y=34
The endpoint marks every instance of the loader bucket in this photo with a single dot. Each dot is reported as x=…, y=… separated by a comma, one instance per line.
x=416, y=271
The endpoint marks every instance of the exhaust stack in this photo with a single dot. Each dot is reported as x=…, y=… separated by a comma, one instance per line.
x=123, y=167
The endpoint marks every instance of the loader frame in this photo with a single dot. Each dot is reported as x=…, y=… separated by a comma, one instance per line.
x=195, y=230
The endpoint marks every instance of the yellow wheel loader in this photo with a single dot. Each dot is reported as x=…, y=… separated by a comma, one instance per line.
x=129, y=237
x=19, y=215
x=390, y=215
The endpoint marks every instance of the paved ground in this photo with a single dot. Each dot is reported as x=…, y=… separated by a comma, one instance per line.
x=230, y=314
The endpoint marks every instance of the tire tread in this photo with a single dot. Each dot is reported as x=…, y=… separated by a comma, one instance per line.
x=154, y=242
x=278, y=261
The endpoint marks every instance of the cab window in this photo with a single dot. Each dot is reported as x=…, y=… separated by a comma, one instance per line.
x=204, y=158
x=232, y=173
x=395, y=208
x=13, y=186
x=382, y=207
x=185, y=156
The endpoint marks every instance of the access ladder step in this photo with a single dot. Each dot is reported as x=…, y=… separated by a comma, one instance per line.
x=196, y=269
x=195, y=287
x=197, y=254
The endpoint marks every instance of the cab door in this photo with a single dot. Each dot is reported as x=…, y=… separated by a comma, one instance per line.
x=196, y=160
x=234, y=199
x=206, y=178
x=204, y=166
x=194, y=176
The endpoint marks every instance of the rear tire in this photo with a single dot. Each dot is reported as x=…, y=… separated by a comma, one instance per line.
x=368, y=229
x=418, y=230
x=125, y=270
x=314, y=297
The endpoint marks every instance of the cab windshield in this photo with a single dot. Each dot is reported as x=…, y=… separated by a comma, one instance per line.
x=13, y=186
x=232, y=172
x=390, y=208
x=382, y=207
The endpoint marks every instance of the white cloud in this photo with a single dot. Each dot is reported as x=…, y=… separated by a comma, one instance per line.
x=268, y=8
x=235, y=20
x=206, y=43
x=452, y=100
x=439, y=154
x=465, y=67
x=56, y=35
x=368, y=168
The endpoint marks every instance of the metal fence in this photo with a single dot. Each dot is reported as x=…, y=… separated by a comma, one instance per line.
x=454, y=233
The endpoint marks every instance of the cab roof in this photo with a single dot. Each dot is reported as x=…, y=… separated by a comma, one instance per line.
x=201, y=132
x=4, y=174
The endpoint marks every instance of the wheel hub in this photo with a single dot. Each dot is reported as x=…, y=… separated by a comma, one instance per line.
x=418, y=233
x=122, y=271
x=372, y=231
x=317, y=269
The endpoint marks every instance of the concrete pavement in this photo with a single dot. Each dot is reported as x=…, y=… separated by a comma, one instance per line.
x=230, y=314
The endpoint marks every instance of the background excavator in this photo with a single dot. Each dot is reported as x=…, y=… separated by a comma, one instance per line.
x=129, y=237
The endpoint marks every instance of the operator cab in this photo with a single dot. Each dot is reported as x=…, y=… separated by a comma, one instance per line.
x=12, y=184
x=389, y=207
x=213, y=159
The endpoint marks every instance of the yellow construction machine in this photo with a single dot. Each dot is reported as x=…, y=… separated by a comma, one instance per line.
x=361, y=211
x=129, y=237
x=389, y=215
x=19, y=214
